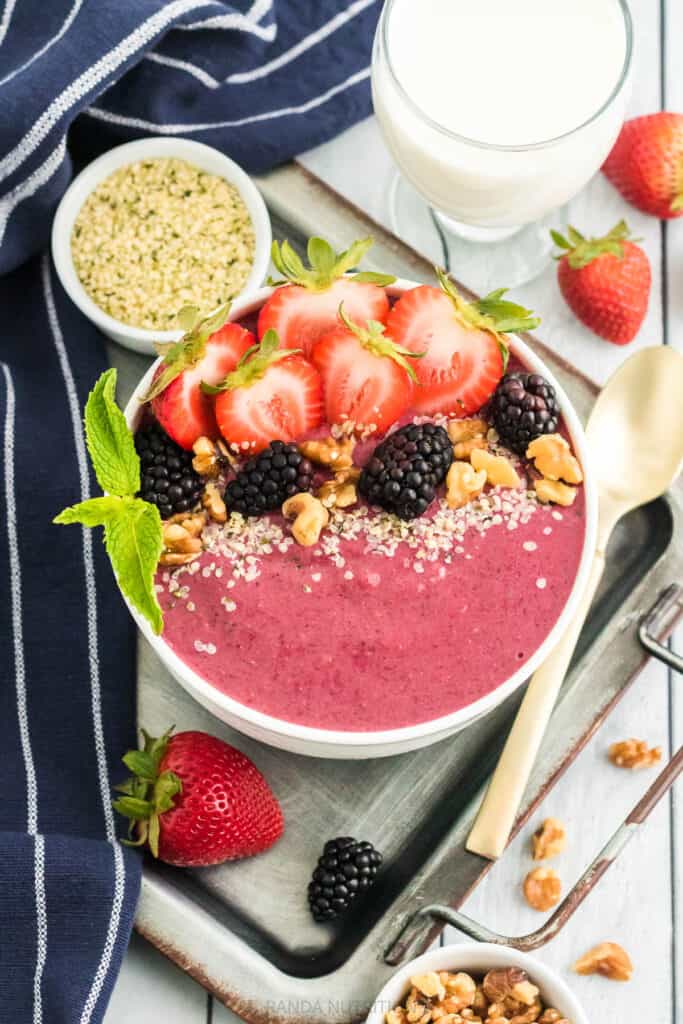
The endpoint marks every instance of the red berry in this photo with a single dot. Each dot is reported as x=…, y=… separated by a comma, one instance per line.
x=464, y=352
x=207, y=802
x=646, y=164
x=605, y=282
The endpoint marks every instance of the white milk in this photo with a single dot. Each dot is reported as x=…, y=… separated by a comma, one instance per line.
x=501, y=73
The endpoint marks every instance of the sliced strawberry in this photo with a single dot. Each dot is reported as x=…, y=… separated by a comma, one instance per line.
x=306, y=308
x=208, y=351
x=367, y=379
x=273, y=395
x=465, y=354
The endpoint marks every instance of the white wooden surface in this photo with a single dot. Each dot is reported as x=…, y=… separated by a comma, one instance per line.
x=641, y=898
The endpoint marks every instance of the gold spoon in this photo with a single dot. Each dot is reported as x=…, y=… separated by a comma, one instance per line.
x=635, y=443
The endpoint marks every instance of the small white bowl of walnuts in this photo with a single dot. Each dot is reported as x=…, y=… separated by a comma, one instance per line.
x=476, y=983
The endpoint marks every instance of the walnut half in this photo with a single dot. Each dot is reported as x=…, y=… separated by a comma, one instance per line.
x=609, y=959
x=310, y=518
x=181, y=538
x=634, y=754
x=542, y=888
x=548, y=840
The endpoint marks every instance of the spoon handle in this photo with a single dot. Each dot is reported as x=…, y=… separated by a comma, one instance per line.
x=493, y=824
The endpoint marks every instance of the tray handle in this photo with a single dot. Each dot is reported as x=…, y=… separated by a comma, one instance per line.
x=411, y=937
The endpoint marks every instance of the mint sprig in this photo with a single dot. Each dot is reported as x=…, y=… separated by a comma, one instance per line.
x=132, y=527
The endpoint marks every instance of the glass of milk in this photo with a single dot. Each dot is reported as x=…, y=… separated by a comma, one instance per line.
x=499, y=111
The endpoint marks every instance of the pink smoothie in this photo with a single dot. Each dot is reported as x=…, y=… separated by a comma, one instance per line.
x=382, y=624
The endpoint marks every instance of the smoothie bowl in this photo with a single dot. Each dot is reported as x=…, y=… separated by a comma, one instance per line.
x=378, y=517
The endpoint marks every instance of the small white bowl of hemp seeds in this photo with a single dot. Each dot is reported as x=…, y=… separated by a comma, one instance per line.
x=155, y=225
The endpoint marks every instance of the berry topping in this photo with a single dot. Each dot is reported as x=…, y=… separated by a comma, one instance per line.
x=646, y=164
x=406, y=468
x=346, y=869
x=605, y=281
x=167, y=478
x=524, y=407
x=195, y=800
x=307, y=306
x=367, y=378
x=208, y=350
x=266, y=480
x=465, y=353
x=273, y=394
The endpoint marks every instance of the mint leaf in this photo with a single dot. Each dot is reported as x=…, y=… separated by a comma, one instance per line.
x=133, y=538
x=94, y=512
x=110, y=442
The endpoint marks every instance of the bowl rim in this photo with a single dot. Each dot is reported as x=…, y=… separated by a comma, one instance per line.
x=95, y=172
x=435, y=727
x=464, y=956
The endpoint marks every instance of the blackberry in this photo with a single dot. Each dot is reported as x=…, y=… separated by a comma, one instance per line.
x=406, y=468
x=523, y=407
x=266, y=480
x=167, y=477
x=346, y=869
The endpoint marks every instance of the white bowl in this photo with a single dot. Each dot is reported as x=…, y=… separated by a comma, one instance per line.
x=478, y=958
x=209, y=159
x=304, y=739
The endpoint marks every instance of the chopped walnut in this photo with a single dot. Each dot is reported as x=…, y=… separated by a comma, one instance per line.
x=463, y=483
x=181, y=536
x=213, y=502
x=429, y=985
x=553, y=491
x=336, y=453
x=553, y=459
x=464, y=449
x=548, y=840
x=418, y=1009
x=466, y=430
x=461, y=989
x=499, y=471
x=634, y=754
x=551, y=1016
x=496, y=1015
x=310, y=518
x=210, y=457
x=528, y=1015
x=503, y=982
x=480, y=1003
x=609, y=959
x=396, y=1016
x=542, y=888
x=340, y=491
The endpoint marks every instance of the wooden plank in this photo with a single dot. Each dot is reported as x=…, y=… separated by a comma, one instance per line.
x=673, y=100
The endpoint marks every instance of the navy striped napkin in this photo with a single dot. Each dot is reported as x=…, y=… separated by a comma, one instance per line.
x=260, y=80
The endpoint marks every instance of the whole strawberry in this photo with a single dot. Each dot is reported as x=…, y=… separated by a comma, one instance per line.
x=605, y=281
x=194, y=801
x=646, y=164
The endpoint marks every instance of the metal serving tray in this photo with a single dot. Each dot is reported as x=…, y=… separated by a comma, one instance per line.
x=243, y=930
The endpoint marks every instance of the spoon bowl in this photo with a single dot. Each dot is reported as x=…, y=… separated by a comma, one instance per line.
x=635, y=433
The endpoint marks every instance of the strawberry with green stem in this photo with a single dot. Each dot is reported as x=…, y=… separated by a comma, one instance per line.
x=273, y=394
x=646, y=164
x=194, y=800
x=306, y=303
x=209, y=349
x=463, y=346
x=368, y=380
x=605, y=281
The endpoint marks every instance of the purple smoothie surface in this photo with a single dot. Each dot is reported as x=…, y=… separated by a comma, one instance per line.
x=382, y=624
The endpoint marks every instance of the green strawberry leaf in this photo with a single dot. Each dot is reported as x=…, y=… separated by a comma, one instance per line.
x=580, y=251
x=141, y=764
x=110, y=442
x=325, y=265
x=132, y=807
x=133, y=538
x=187, y=352
x=253, y=364
x=94, y=512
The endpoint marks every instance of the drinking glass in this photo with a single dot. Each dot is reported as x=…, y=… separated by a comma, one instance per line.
x=501, y=197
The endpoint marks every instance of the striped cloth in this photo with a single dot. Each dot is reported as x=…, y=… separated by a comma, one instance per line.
x=260, y=80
